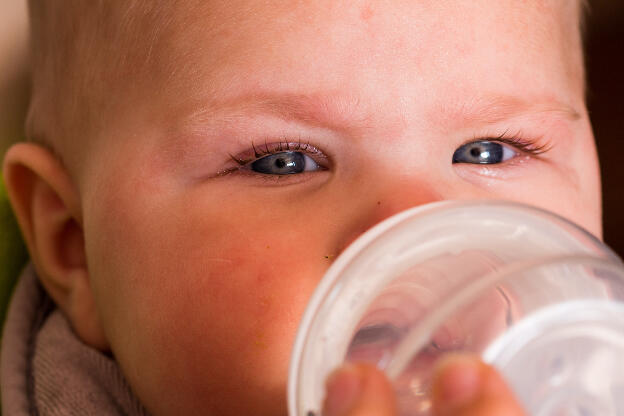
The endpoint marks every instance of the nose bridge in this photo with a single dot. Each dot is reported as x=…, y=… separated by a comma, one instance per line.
x=373, y=204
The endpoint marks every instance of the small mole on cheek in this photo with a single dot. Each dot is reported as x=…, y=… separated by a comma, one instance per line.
x=259, y=342
x=366, y=13
x=265, y=304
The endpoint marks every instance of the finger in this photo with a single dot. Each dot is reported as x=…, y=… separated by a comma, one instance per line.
x=359, y=390
x=463, y=385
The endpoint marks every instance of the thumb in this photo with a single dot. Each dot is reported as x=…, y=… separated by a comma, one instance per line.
x=359, y=390
x=463, y=385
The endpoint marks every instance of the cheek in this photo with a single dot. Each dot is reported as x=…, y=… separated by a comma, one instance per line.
x=569, y=196
x=241, y=304
x=250, y=290
x=203, y=301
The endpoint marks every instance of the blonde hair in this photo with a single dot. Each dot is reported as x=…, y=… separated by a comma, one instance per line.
x=80, y=51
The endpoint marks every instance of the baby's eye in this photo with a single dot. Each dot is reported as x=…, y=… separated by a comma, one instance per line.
x=484, y=152
x=284, y=163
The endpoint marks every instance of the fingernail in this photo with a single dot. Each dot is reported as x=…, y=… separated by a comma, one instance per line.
x=457, y=382
x=343, y=387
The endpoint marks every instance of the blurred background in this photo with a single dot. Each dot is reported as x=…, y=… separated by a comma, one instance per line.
x=605, y=70
x=605, y=60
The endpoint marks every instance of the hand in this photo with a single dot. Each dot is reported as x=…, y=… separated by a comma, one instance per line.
x=462, y=386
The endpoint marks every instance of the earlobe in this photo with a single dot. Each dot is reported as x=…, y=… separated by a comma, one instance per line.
x=47, y=207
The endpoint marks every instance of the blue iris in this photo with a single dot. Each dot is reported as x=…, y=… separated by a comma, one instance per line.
x=282, y=163
x=482, y=152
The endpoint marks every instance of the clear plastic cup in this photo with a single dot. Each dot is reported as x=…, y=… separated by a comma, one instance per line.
x=532, y=293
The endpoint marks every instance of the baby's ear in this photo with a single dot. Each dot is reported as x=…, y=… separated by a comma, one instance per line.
x=48, y=210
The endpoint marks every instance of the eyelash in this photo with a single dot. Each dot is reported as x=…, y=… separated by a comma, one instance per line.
x=273, y=148
x=527, y=146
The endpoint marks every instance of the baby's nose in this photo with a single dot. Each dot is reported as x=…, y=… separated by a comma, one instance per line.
x=375, y=205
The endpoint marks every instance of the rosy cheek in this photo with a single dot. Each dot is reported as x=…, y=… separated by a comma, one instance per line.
x=205, y=296
x=250, y=285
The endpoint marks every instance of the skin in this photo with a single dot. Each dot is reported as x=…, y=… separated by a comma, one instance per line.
x=192, y=271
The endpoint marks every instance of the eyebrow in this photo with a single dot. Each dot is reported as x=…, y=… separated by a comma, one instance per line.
x=327, y=109
x=347, y=112
x=491, y=109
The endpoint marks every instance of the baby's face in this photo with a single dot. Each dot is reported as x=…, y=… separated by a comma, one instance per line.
x=271, y=134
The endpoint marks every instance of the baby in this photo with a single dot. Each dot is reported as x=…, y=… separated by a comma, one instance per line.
x=194, y=166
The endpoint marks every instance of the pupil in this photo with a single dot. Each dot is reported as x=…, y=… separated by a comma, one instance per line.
x=475, y=152
x=280, y=163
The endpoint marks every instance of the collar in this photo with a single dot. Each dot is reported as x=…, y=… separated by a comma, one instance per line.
x=45, y=369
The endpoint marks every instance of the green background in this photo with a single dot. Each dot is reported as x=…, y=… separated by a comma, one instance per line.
x=13, y=255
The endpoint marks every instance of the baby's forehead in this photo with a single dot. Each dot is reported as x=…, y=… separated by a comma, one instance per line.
x=249, y=20
x=138, y=39
x=309, y=43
